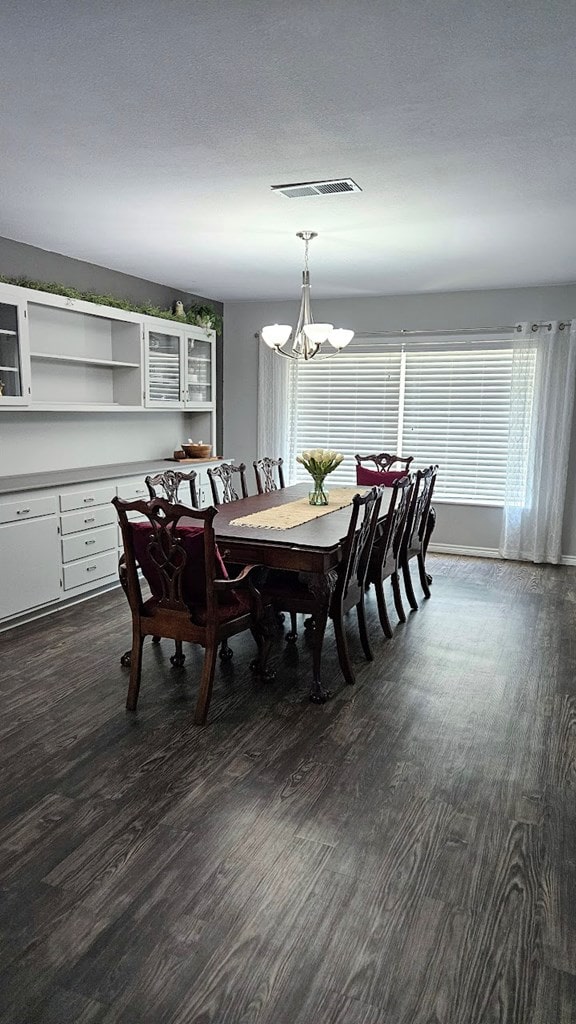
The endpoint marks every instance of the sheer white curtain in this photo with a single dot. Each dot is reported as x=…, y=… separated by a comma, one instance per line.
x=541, y=412
x=277, y=408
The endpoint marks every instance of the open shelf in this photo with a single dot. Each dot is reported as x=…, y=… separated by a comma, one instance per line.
x=84, y=360
x=12, y=334
x=9, y=369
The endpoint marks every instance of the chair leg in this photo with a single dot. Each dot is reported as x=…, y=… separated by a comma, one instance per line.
x=206, y=683
x=263, y=637
x=423, y=576
x=408, y=585
x=226, y=652
x=364, y=640
x=398, y=597
x=135, y=671
x=342, y=648
x=382, y=609
x=178, y=658
x=318, y=695
x=292, y=636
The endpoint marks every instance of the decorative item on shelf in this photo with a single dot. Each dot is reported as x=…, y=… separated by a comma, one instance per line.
x=197, y=449
x=178, y=309
x=204, y=316
x=1, y=388
x=307, y=337
x=319, y=462
x=179, y=454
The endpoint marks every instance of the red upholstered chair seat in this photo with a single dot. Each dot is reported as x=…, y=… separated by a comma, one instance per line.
x=377, y=478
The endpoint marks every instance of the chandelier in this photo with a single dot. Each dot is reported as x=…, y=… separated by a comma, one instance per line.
x=307, y=337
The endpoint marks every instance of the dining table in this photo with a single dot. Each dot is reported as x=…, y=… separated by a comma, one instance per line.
x=313, y=549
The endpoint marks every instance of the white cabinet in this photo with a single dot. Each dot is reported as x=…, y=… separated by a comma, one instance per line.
x=88, y=359
x=70, y=355
x=29, y=556
x=14, y=360
x=180, y=366
x=88, y=546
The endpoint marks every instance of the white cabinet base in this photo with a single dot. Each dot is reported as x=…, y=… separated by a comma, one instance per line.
x=29, y=565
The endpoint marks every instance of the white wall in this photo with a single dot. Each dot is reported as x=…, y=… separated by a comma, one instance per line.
x=33, y=442
x=458, y=525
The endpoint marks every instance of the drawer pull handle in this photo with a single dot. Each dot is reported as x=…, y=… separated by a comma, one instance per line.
x=22, y=511
x=91, y=568
x=89, y=541
x=91, y=520
x=88, y=500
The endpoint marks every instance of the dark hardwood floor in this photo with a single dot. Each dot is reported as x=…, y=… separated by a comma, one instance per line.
x=405, y=854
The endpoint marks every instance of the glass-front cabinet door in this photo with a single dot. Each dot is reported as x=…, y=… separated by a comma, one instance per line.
x=163, y=350
x=14, y=375
x=199, y=388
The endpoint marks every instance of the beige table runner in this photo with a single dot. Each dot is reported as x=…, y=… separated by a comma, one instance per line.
x=295, y=513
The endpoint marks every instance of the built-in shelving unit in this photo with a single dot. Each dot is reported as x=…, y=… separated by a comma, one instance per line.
x=60, y=354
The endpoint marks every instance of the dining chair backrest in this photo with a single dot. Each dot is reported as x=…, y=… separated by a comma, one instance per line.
x=225, y=474
x=419, y=510
x=384, y=461
x=265, y=477
x=357, y=546
x=179, y=560
x=170, y=481
x=390, y=532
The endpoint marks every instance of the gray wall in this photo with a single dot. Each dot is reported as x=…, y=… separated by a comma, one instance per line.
x=458, y=525
x=30, y=442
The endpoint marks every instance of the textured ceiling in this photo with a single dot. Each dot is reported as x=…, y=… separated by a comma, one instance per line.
x=144, y=136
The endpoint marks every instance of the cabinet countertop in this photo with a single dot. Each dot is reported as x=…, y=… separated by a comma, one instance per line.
x=85, y=474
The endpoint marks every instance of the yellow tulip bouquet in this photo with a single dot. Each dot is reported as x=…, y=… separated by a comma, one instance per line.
x=319, y=462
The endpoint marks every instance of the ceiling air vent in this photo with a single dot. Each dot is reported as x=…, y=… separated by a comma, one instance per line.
x=300, y=189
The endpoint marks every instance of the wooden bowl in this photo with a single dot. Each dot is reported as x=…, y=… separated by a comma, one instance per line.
x=197, y=451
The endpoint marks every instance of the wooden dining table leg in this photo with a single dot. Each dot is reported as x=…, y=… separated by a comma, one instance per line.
x=321, y=586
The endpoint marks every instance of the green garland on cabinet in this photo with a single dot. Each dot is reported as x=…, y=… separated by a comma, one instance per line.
x=197, y=314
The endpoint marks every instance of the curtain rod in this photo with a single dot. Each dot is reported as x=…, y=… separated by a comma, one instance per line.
x=507, y=329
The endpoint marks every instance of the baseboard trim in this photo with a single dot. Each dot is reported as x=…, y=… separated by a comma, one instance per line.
x=459, y=549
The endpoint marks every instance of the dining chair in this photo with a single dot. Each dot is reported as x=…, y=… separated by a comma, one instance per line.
x=420, y=523
x=192, y=597
x=265, y=477
x=294, y=593
x=382, y=474
x=385, y=554
x=225, y=474
x=170, y=481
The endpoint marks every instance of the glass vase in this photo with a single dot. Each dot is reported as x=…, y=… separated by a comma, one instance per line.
x=319, y=496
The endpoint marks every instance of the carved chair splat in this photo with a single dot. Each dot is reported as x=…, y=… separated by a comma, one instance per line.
x=225, y=473
x=265, y=476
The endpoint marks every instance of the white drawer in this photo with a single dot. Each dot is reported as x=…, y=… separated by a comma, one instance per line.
x=132, y=490
x=81, y=545
x=27, y=508
x=78, y=574
x=73, y=522
x=85, y=498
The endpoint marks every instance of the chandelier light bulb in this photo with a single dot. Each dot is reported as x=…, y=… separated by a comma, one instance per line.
x=317, y=333
x=340, y=337
x=275, y=335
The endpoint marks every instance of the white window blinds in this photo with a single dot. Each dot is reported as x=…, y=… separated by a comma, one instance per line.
x=349, y=403
x=446, y=402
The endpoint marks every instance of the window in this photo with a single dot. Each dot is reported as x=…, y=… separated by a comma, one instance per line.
x=445, y=402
